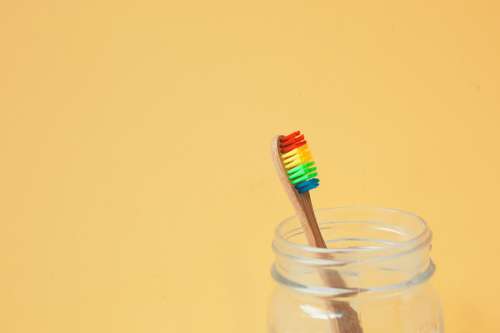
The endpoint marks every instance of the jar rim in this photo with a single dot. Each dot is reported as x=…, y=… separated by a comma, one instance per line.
x=366, y=245
x=423, y=236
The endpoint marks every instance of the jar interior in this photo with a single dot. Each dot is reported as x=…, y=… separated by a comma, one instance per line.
x=370, y=248
x=359, y=229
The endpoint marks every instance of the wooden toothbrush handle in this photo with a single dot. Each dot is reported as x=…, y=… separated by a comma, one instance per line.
x=349, y=322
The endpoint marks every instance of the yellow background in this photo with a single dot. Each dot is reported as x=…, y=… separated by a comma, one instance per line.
x=137, y=193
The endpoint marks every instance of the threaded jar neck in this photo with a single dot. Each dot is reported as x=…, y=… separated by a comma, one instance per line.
x=372, y=249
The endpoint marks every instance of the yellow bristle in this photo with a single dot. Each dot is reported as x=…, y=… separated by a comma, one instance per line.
x=297, y=156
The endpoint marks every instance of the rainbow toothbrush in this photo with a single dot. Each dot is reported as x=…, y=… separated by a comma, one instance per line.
x=298, y=162
x=298, y=174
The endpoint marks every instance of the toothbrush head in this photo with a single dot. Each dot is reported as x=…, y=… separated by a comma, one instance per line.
x=298, y=162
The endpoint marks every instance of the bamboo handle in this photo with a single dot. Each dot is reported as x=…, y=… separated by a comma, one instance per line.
x=349, y=322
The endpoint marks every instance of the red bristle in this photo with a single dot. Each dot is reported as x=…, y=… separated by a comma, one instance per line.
x=292, y=146
x=289, y=136
x=292, y=140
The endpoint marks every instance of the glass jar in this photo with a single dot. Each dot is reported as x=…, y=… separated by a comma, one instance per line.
x=381, y=258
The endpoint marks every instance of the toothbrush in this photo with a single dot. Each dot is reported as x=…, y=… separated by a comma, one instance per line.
x=298, y=174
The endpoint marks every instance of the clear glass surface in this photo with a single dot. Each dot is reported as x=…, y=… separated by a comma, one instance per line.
x=382, y=256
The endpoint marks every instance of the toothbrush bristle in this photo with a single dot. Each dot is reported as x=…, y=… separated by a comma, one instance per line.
x=298, y=162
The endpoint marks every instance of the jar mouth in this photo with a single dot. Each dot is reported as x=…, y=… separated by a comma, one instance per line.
x=354, y=233
x=371, y=249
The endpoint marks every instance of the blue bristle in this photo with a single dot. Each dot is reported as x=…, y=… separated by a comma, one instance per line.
x=307, y=185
